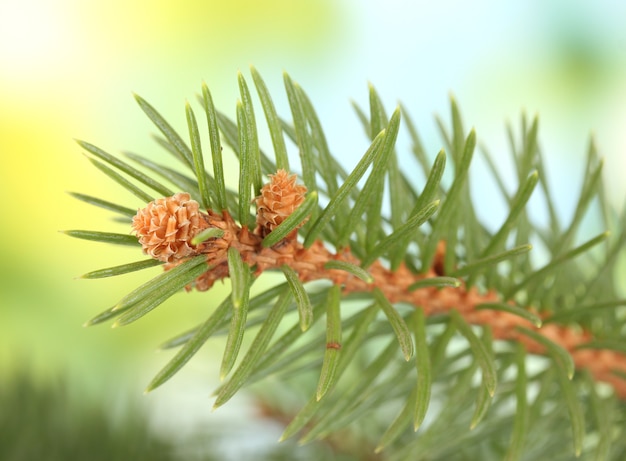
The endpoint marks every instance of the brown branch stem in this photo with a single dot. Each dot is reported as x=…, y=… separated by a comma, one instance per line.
x=309, y=264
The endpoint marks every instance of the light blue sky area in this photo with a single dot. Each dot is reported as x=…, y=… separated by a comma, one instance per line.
x=563, y=60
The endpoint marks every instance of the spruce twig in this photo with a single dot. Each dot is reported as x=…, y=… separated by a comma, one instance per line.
x=376, y=244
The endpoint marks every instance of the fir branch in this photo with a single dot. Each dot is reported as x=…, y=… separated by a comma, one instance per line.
x=429, y=251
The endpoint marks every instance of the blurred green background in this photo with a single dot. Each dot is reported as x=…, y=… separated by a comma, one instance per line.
x=68, y=68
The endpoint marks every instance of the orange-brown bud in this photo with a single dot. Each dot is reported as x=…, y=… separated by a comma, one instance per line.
x=166, y=226
x=279, y=198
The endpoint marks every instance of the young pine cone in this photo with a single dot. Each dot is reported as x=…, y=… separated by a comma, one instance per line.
x=166, y=226
x=279, y=198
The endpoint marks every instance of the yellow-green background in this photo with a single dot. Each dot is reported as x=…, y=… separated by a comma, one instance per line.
x=68, y=68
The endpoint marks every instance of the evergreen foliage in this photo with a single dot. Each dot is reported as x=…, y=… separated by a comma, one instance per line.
x=434, y=321
x=45, y=421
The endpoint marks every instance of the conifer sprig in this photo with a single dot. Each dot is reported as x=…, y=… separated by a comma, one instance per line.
x=384, y=245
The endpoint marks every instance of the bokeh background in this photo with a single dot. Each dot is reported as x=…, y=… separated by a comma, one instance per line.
x=68, y=69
